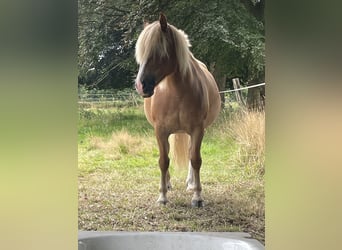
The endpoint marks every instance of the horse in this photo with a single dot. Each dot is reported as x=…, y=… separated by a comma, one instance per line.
x=181, y=99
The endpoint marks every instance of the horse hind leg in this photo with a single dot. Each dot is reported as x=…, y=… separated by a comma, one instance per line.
x=190, y=182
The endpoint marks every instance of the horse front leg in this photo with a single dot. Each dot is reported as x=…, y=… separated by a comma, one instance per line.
x=196, y=162
x=164, y=161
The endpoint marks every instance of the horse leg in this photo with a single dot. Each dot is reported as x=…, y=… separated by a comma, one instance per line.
x=196, y=162
x=164, y=161
x=190, y=185
x=168, y=181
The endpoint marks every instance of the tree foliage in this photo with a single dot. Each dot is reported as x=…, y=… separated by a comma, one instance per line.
x=228, y=35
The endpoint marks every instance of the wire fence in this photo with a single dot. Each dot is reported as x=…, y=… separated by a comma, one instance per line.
x=243, y=88
x=108, y=98
x=129, y=97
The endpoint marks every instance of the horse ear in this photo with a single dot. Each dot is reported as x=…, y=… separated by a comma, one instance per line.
x=163, y=22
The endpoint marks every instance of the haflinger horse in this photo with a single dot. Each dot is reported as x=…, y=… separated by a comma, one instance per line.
x=180, y=97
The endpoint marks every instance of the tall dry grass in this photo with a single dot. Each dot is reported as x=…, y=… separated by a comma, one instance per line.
x=120, y=144
x=248, y=129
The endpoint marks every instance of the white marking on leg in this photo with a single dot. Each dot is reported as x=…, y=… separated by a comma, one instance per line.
x=162, y=199
x=190, y=179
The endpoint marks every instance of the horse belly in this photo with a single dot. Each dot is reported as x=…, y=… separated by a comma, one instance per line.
x=214, y=110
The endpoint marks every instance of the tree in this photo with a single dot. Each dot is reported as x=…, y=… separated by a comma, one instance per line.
x=227, y=35
x=104, y=52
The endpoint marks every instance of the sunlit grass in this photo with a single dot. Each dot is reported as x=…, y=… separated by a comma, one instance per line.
x=119, y=178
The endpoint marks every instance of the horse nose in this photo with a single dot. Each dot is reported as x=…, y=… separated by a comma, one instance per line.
x=139, y=87
x=148, y=85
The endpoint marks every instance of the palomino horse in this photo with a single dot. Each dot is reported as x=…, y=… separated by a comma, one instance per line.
x=180, y=97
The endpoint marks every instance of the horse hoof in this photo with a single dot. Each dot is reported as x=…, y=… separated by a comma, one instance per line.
x=196, y=203
x=162, y=202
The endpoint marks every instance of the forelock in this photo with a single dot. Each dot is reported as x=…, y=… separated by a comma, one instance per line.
x=150, y=42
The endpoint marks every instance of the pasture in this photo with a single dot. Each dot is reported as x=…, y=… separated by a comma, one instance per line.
x=118, y=175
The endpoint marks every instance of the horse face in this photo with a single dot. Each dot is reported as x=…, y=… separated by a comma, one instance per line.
x=160, y=63
x=151, y=73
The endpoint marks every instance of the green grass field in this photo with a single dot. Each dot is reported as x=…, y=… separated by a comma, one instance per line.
x=119, y=175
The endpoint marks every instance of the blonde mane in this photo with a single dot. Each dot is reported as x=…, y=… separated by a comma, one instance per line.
x=152, y=42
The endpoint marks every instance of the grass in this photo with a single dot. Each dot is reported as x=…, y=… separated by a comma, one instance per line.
x=119, y=176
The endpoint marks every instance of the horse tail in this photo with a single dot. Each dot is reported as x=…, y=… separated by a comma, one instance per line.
x=179, y=149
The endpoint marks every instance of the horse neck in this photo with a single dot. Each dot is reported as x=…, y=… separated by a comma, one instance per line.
x=190, y=78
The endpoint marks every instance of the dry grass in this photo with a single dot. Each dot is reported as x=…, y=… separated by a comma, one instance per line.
x=120, y=144
x=248, y=130
x=119, y=180
x=105, y=203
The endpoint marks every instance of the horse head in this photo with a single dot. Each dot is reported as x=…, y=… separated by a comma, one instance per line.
x=156, y=56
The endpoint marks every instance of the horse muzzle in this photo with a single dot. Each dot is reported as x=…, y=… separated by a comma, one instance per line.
x=147, y=95
x=143, y=89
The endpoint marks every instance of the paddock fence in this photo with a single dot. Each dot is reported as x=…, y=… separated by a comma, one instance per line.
x=129, y=97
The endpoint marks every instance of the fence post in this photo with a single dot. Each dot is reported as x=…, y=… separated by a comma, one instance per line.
x=256, y=98
x=236, y=85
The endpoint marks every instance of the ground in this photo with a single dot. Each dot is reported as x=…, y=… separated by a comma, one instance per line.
x=119, y=179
